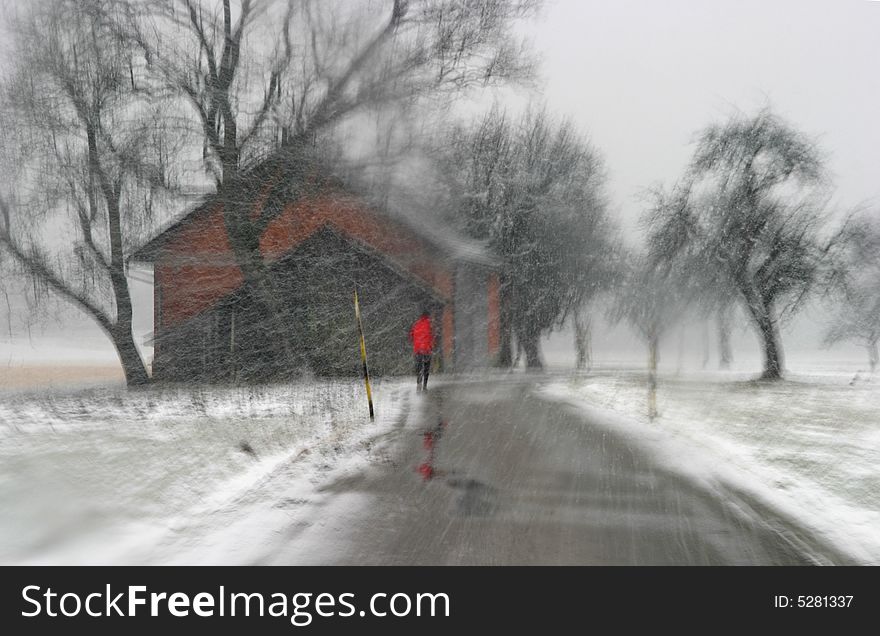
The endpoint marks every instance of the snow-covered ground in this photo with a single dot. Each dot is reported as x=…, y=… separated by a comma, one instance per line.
x=809, y=445
x=108, y=476
x=226, y=475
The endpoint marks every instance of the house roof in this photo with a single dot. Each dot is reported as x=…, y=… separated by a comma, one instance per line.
x=449, y=242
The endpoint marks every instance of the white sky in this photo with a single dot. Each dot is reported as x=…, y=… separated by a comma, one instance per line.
x=642, y=76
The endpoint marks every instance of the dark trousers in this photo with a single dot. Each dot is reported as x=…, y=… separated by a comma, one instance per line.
x=423, y=366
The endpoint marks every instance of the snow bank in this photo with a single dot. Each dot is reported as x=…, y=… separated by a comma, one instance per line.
x=808, y=446
x=114, y=476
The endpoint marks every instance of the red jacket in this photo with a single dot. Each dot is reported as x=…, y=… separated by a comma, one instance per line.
x=422, y=336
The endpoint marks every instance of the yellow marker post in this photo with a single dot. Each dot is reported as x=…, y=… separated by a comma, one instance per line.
x=360, y=327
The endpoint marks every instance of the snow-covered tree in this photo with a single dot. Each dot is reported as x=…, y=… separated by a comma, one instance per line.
x=533, y=188
x=855, y=286
x=651, y=300
x=747, y=222
x=583, y=340
x=88, y=155
x=268, y=83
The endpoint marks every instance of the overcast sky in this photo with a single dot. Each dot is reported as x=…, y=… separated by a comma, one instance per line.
x=642, y=76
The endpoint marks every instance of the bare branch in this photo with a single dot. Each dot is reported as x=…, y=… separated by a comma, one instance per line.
x=35, y=264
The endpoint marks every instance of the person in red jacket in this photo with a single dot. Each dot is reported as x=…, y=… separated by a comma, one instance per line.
x=422, y=336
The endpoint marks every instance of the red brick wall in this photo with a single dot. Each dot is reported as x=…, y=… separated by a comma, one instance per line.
x=197, y=267
x=299, y=220
x=448, y=343
x=195, y=270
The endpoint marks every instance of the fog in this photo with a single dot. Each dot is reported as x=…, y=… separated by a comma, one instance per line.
x=641, y=77
x=616, y=247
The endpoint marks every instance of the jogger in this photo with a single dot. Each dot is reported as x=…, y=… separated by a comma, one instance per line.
x=423, y=367
x=422, y=336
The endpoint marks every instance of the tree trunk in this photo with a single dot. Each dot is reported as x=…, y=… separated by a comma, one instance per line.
x=129, y=356
x=505, y=352
x=681, y=339
x=768, y=330
x=244, y=240
x=706, y=347
x=531, y=345
x=873, y=355
x=8, y=313
x=724, y=351
x=120, y=331
x=582, y=342
x=653, y=359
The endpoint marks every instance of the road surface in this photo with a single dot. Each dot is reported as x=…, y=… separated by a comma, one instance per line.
x=488, y=473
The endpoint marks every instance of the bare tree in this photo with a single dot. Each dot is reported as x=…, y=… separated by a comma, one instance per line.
x=583, y=329
x=7, y=287
x=534, y=190
x=748, y=221
x=855, y=287
x=8, y=278
x=88, y=163
x=205, y=54
x=725, y=352
x=25, y=302
x=268, y=82
x=651, y=300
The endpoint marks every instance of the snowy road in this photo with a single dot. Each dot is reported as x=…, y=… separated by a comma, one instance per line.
x=489, y=473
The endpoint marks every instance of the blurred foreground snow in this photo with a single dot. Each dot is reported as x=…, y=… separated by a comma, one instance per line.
x=808, y=446
x=229, y=475
x=110, y=476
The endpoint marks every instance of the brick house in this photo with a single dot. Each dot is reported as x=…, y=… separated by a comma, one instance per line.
x=319, y=247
